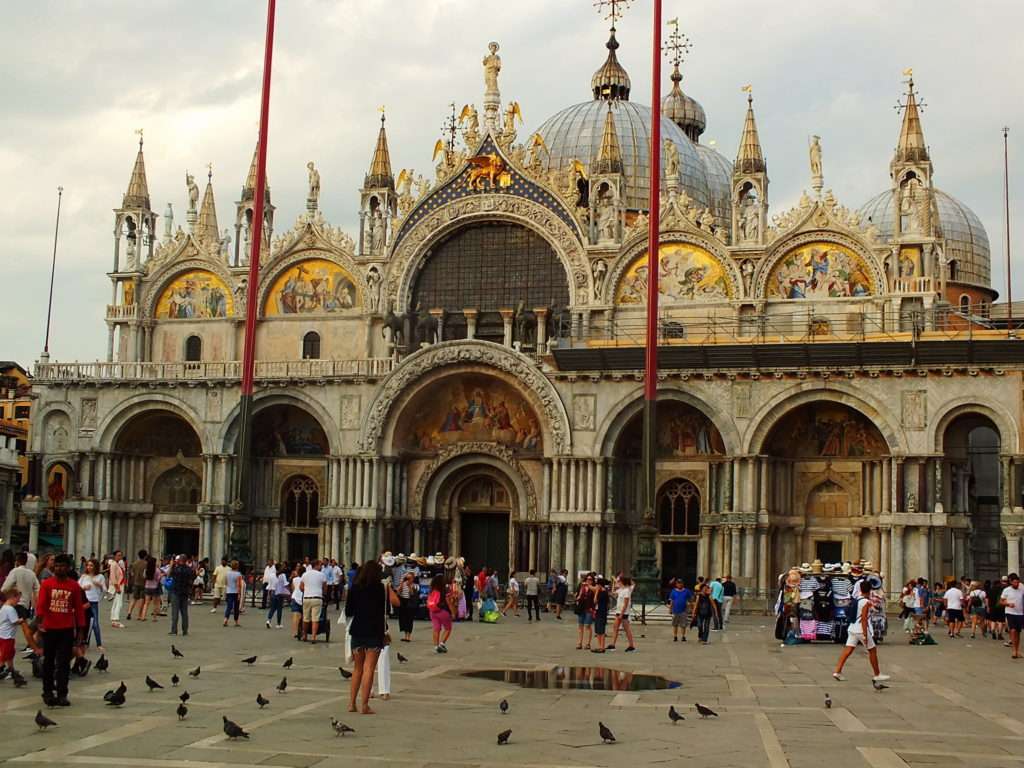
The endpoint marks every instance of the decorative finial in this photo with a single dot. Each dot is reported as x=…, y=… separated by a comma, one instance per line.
x=902, y=105
x=139, y=132
x=749, y=90
x=615, y=9
x=677, y=45
x=448, y=128
x=209, y=172
x=382, y=115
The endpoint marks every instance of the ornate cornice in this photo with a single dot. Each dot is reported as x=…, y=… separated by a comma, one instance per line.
x=461, y=353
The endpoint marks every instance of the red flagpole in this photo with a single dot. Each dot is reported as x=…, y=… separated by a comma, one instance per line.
x=239, y=545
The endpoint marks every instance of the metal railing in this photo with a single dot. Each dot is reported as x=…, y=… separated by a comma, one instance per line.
x=376, y=367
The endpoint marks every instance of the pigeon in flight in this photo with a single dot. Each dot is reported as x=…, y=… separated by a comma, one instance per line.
x=250, y=661
x=282, y=685
x=340, y=729
x=176, y=653
x=233, y=730
x=674, y=716
x=287, y=663
x=503, y=706
x=503, y=737
x=175, y=680
x=401, y=658
x=184, y=697
x=607, y=736
x=102, y=665
x=261, y=701
x=152, y=684
x=182, y=711
x=194, y=672
x=345, y=673
x=705, y=712
x=43, y=721
x=828, y=701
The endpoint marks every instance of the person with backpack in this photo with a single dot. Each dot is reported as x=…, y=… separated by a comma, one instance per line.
x=977, y=604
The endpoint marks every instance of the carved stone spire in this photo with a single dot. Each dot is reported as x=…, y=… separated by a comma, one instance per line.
x=749, y=158
x=249, y=188
x=911, y=147
x=380, y=176
x=609, y=158
x=206, y=229
x=137, y=195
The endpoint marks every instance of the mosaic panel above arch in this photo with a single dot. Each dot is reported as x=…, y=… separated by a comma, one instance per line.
x=686, y=273
x=469, y=407
x=826, y=430
x=312, y=287
x=818, y=270
x=195, y=295
x=682, y=431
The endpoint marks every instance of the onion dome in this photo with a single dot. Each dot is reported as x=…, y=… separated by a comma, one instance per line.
x=682, y=110
x=611, y=81
x=966, y=240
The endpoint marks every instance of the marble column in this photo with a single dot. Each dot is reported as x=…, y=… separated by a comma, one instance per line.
x=924, y=548
x=70, y=530
x=335, y=551
x=573, y=483
x=218, y=539
x=734, y=551
x=33, y=532
x=749, y=564
x=704, y=551
x=570, y=553
x=595, y=548
x=563, y=481
x=1012, y=534
x=609, y=551
x=896, y=565
x=887, y=492
x=359, y=553
x=533, y=547
x=762, y=561
x=104, y=543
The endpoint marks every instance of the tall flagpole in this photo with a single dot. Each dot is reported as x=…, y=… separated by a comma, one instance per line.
x=646, y=561
x=45, y=357
x=1006, y=199
x=240, y=505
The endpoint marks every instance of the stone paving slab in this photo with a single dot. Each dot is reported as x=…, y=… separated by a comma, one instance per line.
x=954, y=704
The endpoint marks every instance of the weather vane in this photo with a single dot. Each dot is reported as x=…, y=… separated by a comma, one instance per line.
x=615, y=9
x=209, y=171
x=899, y=106
x=677, y=45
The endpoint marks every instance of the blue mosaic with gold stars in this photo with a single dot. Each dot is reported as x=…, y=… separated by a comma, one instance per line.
x=511, y=183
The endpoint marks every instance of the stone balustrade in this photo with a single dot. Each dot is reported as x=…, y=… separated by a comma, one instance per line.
x=98, y=372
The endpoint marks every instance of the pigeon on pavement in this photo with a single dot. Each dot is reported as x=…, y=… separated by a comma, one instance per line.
x=503, y=706
x=43, y=721
x=116, y=698
x=250, y=661
x=18, y=678
x=176, y=653
x=261, y=701
x=175, y=680
x=674, y=716
x=287, y=663
x=102, y=665
x=282, y=685
x=503, y=737
x=607, y=736
x=340, y=729
x=828, y=701
x=184, y=697
x=121, y=689
x=878, y=685
x=194, y=672
x=152, y=684
x=345, y=673
x=401, y=658
x=233, y=730
x=182, y=711
x=705, y=712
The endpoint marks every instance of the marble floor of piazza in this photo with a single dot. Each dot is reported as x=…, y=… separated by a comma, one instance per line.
x=954, y=704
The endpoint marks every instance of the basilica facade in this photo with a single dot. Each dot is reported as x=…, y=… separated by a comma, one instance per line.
x=464, y=373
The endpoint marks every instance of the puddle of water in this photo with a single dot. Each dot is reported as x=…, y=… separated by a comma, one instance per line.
x=577, y=678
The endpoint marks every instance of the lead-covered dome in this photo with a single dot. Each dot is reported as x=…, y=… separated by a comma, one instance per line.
x=966, y=241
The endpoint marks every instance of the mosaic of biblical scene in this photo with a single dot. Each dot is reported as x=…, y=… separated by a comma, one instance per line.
x=283, y=430
x=195, y=295
x=472, y=408
x=910, y=261
x=314, y=286
x=826, y=430
x=820, y=271
x=686, y=273
x=683, y=431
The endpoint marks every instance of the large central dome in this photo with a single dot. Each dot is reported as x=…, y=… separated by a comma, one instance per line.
x=575, y=133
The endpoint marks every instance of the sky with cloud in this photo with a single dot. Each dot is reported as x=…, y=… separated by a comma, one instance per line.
x=79, y=76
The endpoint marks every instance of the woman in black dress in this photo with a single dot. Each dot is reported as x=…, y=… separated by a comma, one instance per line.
x=365, y=609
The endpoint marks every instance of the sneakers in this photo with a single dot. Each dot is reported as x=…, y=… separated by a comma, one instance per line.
x=268, y=623
x=212, y=610
x=609, y=647
x=684, y=638
x=630, y=648
x=838, y=677
x=880, y=678
x=443, y=647
x=437, y=649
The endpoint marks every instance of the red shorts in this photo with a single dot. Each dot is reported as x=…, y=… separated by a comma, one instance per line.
x=441, y=620
x=6, y=650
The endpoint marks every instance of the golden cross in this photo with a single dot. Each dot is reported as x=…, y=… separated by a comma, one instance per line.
x=677, y=45
x=616, y=8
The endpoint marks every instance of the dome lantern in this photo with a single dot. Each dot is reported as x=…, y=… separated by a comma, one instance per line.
x=611, y=81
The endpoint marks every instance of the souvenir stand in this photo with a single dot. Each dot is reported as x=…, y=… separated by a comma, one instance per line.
x=425, y=568
x=818, y=601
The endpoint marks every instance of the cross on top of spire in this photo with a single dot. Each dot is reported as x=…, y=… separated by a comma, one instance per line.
x=678, y=45
x=614, y=8
x=912, y=96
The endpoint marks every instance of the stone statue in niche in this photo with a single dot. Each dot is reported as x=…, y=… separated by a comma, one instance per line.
x=193, y=192
x=607, y=220
x=373, y=281
x=747, y=270
x=671, y=162
x=750, y=219
x=598, y=269
x=377, y=232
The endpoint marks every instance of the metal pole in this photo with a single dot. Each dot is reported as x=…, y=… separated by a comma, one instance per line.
x=53, y=271
x=1006, y=199
x=240, y=504
x=646, y=561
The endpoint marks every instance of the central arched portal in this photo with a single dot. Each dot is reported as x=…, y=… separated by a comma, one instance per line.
x=480, y=506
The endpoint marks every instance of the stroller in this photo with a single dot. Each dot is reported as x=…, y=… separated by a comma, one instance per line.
x=323, y=626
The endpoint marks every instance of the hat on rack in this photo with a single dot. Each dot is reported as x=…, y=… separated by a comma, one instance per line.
x=430, y=559
x=462, y=562
x=847, y=568
x=399, y=559
x=816, y=566
x=868, y=565
x=857, y=568
x=449, y=563
x=438, y=558
x=388, y=560
x=805, y=568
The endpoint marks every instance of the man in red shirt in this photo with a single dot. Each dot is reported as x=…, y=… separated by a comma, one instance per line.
x=61, y=615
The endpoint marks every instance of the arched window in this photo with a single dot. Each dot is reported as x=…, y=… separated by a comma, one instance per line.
x=193, y=349
x=679, y=509
x=177, y=489
x=965, y=304
x=301, y=503
x=953, y=269
x=311, y=346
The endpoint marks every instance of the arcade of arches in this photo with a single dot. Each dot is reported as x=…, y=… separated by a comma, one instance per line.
x=470, y=472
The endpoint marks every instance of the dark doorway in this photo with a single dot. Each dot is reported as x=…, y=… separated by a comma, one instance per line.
x=485, y=540
x=181, y=541
x=829, y=551
x=678, y=560
x=302, y=545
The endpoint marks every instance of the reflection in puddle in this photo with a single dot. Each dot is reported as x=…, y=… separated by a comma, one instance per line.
x=579, y=678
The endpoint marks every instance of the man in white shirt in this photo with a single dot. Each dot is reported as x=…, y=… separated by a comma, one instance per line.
x=269, y=580
x=954, y=602
x=312, y=598
x=859, y=632
x=1012, y=601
